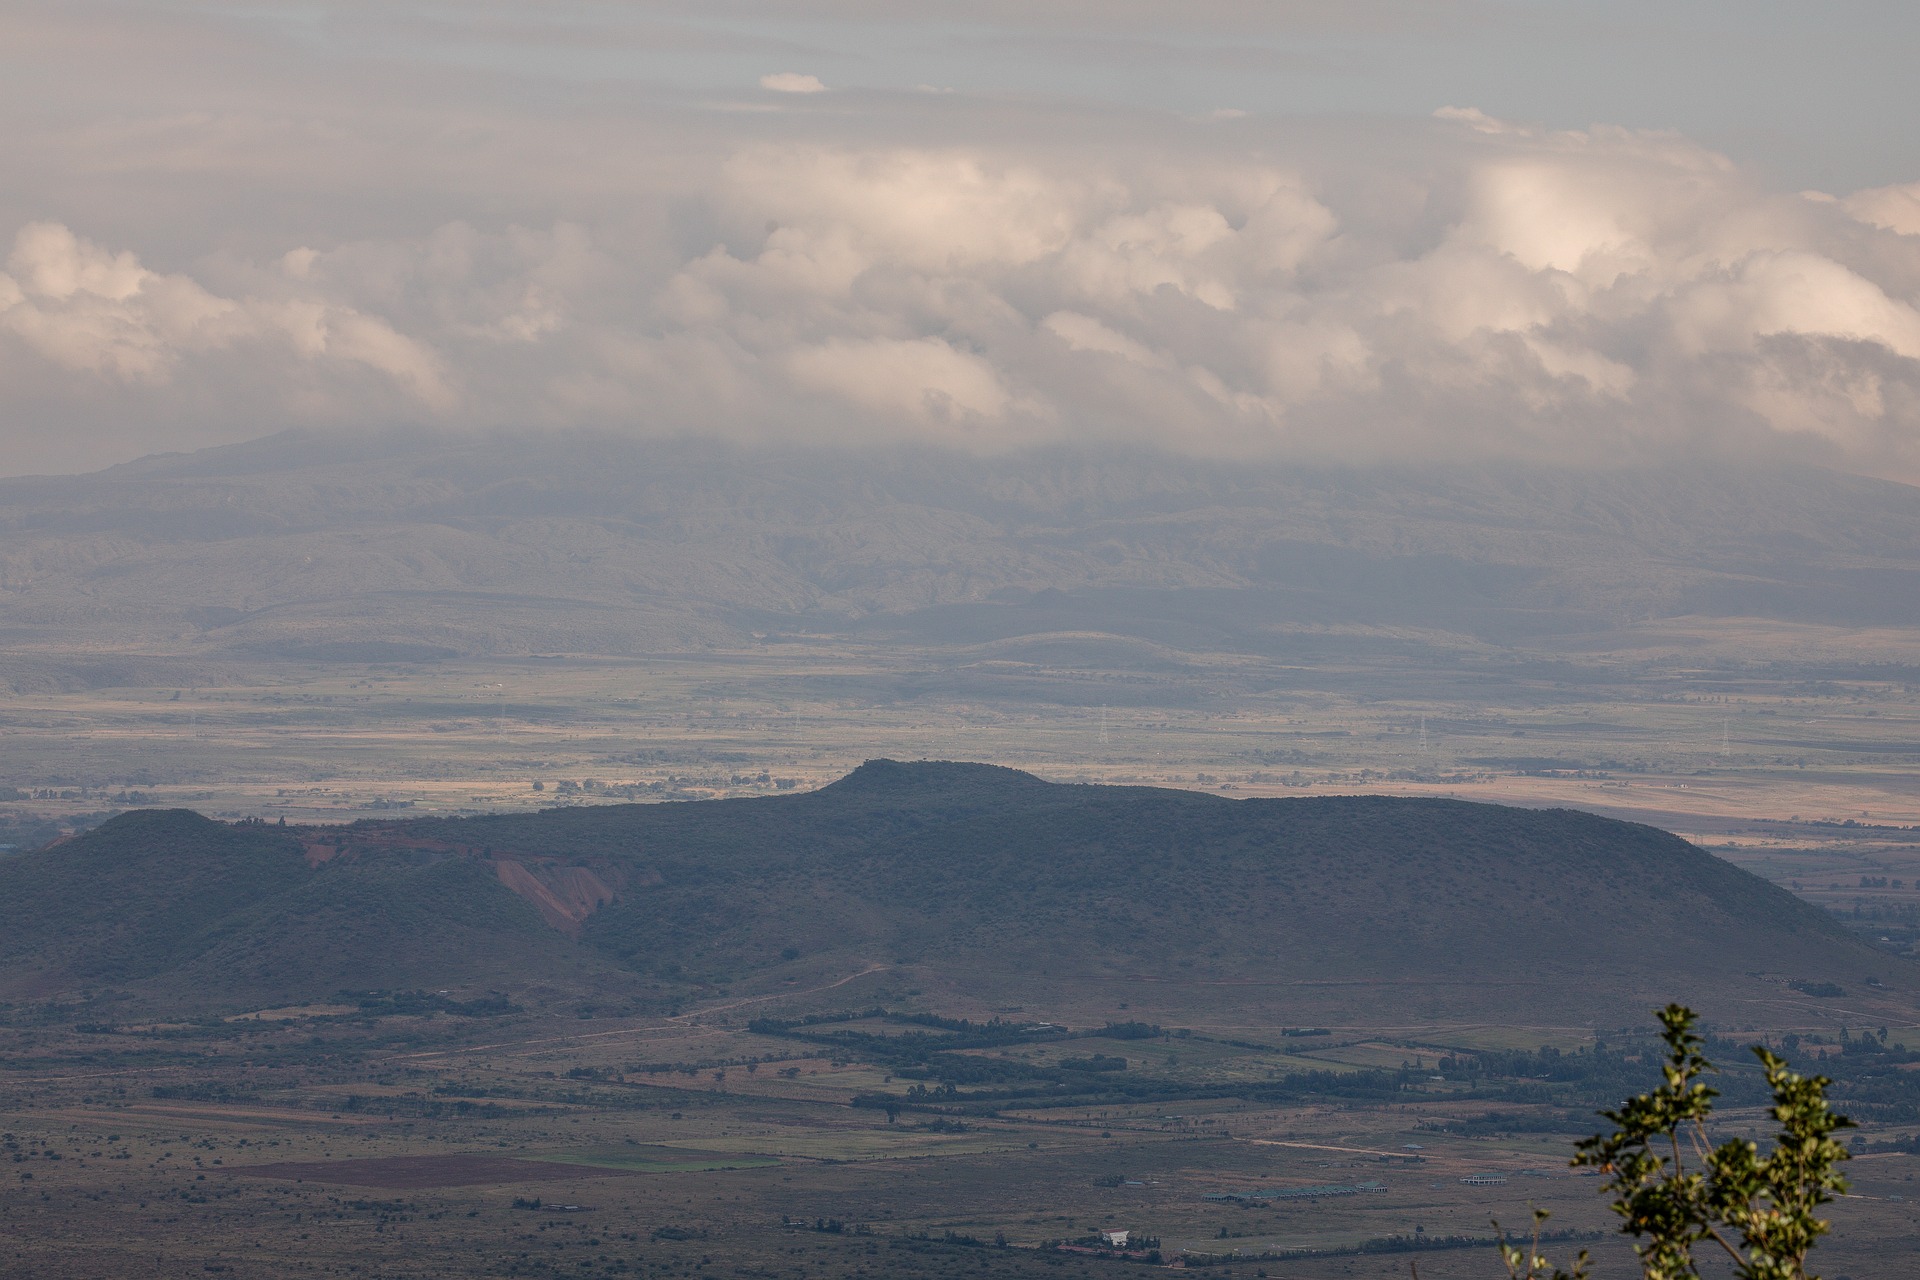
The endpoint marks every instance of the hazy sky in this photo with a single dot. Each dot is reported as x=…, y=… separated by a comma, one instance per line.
x=1563, y=230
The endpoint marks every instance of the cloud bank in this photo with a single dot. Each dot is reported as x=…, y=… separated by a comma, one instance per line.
x=1232, y=286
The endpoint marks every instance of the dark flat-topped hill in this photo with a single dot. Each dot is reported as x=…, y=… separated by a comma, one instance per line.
x=970, y=881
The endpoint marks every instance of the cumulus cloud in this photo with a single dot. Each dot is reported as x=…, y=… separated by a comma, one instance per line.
x=1228, y=286
x=792, y=82
x=915, y=380
x=90, y=310
x=1894, y=208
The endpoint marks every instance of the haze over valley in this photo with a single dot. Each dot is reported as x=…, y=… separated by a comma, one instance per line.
x=838, y=640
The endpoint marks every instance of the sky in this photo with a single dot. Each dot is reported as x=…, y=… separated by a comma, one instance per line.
x=1453, y=229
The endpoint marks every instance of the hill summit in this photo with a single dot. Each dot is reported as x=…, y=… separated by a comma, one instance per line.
x=979, y=884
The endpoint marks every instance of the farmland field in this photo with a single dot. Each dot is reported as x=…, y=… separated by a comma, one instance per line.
x=535, y=1145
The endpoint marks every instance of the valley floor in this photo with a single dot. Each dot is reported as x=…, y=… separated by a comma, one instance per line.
x=334, y=1141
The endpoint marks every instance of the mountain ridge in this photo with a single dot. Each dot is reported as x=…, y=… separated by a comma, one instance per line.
x=594, y=544
x=984, y=883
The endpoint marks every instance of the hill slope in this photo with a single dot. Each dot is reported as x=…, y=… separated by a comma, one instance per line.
x=992, y=883
x=197, y=913
x=976, y=883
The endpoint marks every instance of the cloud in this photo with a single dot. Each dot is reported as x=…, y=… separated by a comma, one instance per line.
x=1894, y=208
x=1458, y=288
x=792, y=82
x=916, y=380
x=88, y=310
x=1084, y=333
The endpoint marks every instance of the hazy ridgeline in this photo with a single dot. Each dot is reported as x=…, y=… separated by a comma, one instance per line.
x=322, y=549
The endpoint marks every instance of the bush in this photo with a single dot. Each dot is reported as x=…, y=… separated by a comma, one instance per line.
x=1758, y=1210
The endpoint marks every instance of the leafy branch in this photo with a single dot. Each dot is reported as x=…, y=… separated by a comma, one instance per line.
x=1676, y=1190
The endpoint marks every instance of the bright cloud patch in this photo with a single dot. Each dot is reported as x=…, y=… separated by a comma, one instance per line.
x=1573, y=295
x=792, y=82
x=89, y=310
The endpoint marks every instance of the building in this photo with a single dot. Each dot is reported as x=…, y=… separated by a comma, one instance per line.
x=1116, y=1239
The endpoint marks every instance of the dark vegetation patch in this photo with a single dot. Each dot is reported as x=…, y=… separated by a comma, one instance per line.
x=963, y=1073
x=406, y=1172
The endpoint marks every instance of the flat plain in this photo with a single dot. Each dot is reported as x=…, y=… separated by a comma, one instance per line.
x=523, y=1145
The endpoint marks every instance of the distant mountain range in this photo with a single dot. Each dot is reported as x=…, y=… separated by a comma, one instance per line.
x=970, y=885
x=404, y=548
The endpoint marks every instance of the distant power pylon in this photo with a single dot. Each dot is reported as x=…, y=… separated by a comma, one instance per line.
x=1104, y=739
x=1423, y=733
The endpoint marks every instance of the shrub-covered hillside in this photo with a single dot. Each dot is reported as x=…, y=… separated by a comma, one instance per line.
x=978, y=881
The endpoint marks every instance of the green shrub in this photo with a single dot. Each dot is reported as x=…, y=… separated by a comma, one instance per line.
x=1677, y=1191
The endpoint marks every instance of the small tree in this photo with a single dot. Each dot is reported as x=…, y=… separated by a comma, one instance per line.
x=1759, y=1210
